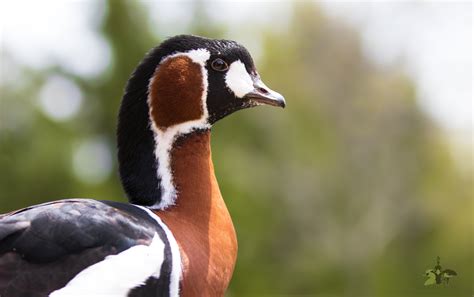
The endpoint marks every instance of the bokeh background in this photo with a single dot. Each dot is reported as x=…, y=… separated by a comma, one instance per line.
x=353, y=190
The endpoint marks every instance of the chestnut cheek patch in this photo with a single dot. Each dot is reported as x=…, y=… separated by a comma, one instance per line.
x=175, y=92
x=177, y=95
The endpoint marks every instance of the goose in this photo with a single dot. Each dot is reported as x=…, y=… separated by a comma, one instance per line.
x=175, y=237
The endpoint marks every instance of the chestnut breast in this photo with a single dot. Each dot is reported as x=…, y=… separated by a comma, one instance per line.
x=200, y=220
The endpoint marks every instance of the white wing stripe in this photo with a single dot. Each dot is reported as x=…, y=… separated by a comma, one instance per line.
x=117, y=274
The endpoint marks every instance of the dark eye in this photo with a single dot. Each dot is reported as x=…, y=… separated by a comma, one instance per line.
x=219, y=65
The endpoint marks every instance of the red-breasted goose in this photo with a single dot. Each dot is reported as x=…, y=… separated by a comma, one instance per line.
x=176, y=237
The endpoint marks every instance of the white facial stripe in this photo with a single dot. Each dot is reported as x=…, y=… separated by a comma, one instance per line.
x=199, y=56
x=238, y=80
x=164, y=139
x=116, y=275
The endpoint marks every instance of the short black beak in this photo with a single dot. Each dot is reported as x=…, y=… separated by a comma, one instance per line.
x=263, y=95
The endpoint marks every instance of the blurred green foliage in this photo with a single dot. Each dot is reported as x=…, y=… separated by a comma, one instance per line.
x=350, y=191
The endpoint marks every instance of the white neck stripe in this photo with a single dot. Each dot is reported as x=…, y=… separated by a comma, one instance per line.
x=164, y=139
x=176, y=269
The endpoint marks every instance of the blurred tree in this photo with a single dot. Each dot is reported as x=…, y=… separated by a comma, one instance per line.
x=350, y=191
x=39, y=152
x=349, y=172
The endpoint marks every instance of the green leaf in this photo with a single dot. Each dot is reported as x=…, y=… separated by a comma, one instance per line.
x=430, y=281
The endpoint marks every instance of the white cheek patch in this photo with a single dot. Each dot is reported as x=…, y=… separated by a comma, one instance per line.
x=238, y=80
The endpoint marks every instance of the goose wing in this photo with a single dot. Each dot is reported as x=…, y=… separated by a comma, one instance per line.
x=82, y=247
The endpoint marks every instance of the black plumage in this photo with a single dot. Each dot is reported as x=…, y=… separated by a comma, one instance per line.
x=44, y=246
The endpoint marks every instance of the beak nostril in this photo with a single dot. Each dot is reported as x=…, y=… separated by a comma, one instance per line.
x=263, y=91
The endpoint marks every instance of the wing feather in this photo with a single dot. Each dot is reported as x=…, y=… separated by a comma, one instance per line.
x=43, y=247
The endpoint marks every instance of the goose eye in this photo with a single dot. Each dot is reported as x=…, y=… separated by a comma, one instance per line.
x=219, y=65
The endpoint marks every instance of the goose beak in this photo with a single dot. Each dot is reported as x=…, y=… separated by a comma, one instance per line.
x=263, y=95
